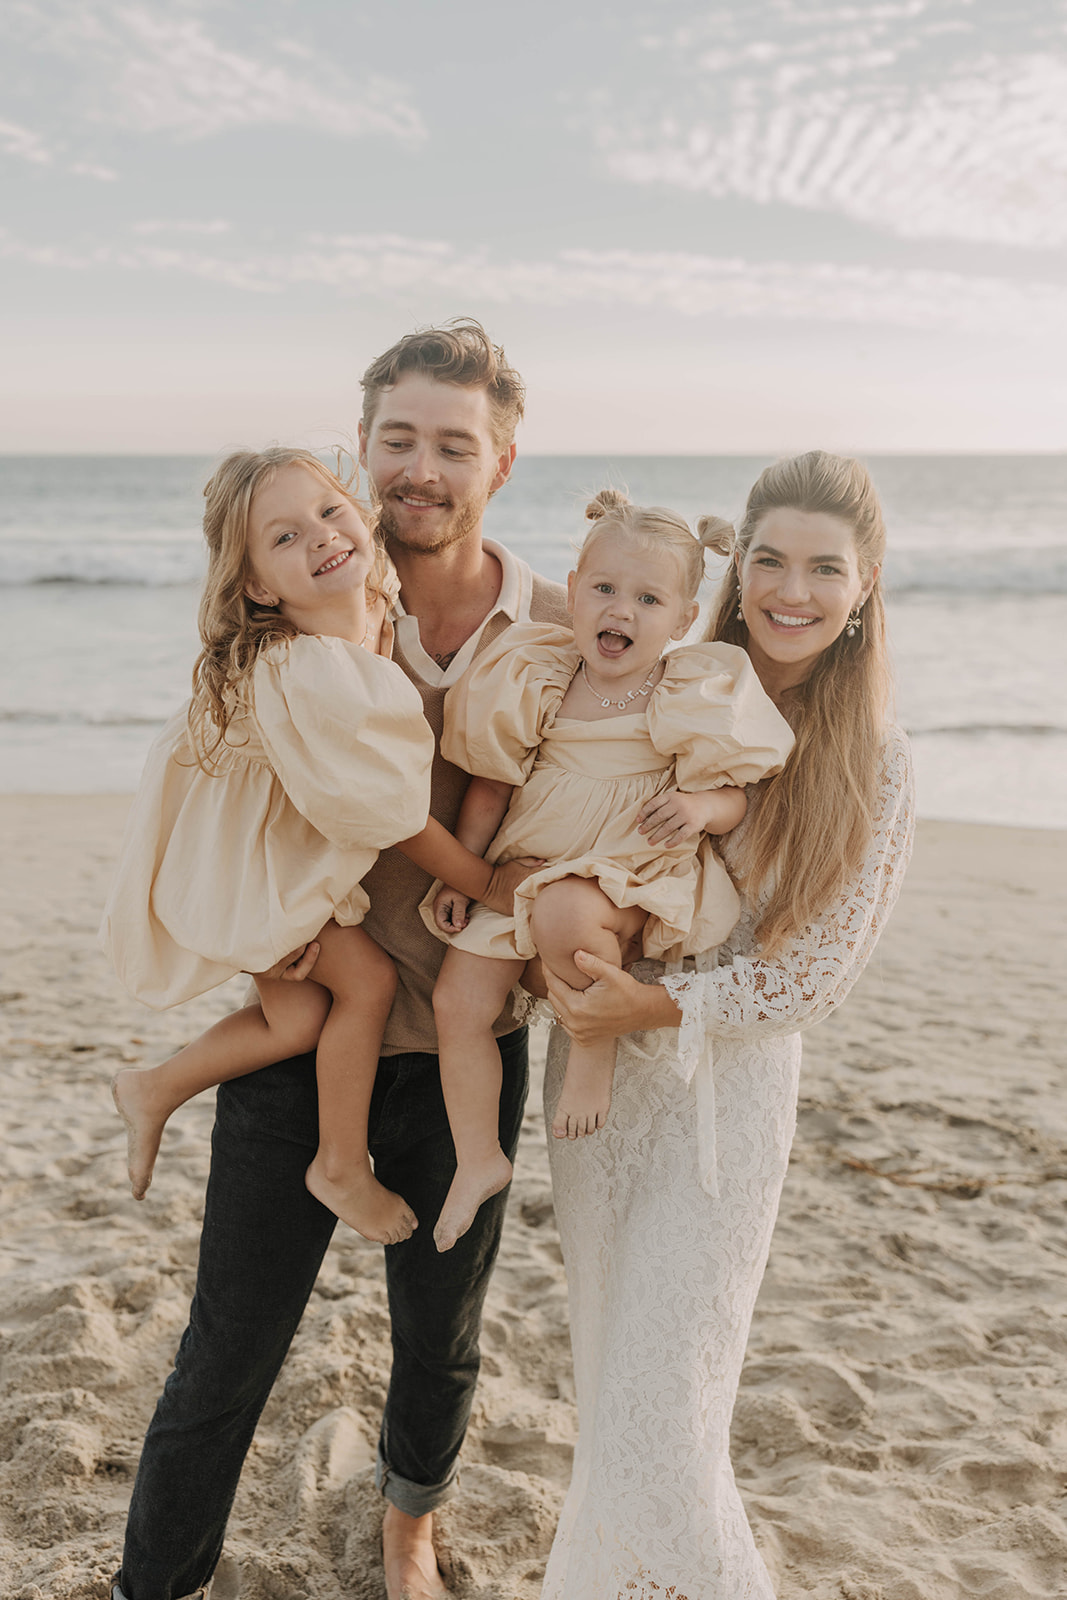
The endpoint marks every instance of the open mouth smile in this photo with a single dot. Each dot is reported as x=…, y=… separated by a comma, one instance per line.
x=333, y=563
x=613, y=644
x=418, y=503
x=782, y=620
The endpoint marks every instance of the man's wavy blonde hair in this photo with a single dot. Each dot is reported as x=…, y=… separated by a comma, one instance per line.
x=233, y=628
x=812, y=824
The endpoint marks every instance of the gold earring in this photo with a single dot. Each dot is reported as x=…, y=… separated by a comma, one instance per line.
x=855, y=621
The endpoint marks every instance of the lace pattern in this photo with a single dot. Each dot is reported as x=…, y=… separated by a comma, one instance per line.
x=663, y=1265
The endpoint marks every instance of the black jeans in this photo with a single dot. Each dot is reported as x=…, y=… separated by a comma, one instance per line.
x=263, y=1240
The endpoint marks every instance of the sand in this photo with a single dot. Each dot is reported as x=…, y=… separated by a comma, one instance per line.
x=901, y=1432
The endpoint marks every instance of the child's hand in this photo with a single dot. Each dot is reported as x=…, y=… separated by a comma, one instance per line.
x=672, y=817
x=450, y=910
x=500, y=895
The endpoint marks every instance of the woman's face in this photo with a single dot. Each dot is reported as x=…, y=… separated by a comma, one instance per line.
x=800, y=579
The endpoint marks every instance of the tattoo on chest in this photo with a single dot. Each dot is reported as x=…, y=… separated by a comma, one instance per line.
x=446, y=660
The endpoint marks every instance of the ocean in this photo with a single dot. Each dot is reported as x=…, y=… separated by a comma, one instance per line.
x=100, y=562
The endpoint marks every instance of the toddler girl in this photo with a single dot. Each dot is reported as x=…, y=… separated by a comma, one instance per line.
x=302, y=753
x=622, y=757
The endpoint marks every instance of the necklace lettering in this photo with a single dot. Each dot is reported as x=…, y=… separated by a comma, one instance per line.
x=646, y=688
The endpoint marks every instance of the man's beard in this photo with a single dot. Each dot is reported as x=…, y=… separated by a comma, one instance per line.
x=464, y=519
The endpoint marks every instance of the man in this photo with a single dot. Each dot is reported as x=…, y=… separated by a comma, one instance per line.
x=437, y=440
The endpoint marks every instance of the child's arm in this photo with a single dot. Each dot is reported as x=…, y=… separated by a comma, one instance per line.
x=450, y=859
x=480, y=815
x=674, y=815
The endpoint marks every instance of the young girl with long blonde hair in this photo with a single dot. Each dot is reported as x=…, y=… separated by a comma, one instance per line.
x=620, y=757
x=302, y=753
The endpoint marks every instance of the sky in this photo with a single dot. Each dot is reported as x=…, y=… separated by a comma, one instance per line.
x=749, y=227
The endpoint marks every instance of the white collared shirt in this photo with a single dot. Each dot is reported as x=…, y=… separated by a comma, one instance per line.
x=516, y=591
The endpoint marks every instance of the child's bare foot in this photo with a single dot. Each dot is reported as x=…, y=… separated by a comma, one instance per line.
x=585, y=1098
x=140, y=1108
x=473, y=1184
x=360, y=1200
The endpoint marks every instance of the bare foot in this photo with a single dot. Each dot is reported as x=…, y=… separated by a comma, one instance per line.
x=140, y=1107
x=411, y=1570
x=361, y=1201
x=474, y=1183
x=585, y=1098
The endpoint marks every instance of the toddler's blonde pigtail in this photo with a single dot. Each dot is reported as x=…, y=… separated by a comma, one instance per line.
x=716, y=534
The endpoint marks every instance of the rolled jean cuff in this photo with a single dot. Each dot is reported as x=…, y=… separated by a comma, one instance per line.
x=117, y=1593
x=414, y=1499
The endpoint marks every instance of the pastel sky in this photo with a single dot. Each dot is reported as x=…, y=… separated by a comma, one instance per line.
x=749, y=226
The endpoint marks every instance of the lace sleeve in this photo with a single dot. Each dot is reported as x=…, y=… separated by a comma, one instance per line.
x=752, y=998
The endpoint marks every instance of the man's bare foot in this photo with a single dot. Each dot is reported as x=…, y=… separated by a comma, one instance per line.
x=585, y=1099
x=473, y=1184
x=361, y=1201
x=411, y=1570
x=145, y=1115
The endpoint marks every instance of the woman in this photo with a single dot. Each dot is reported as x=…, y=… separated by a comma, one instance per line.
x=666, y=1216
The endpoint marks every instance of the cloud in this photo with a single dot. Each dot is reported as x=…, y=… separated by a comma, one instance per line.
x=925, y=119
x=24, y=144
x=392, y=267
x=177, y=226
x=149, y=69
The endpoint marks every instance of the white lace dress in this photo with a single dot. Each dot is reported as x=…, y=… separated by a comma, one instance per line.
x=666, y=1219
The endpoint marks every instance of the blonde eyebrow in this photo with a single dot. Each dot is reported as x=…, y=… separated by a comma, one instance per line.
x=393, y=424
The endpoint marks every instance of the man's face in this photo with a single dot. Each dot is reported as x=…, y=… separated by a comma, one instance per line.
x=432, y=462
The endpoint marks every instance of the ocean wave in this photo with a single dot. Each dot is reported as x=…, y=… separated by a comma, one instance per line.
x=157, y=562
x=977, y=730
x=989, y=570
x=28, y=717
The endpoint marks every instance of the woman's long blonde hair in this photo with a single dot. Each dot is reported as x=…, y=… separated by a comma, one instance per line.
x=812, y=824
x=233, y=628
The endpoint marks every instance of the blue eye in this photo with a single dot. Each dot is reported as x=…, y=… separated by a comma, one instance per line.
x=649, y=599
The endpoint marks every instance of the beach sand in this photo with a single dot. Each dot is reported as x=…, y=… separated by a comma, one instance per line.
x=901, y=1432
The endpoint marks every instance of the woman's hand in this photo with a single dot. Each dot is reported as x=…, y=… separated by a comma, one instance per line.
x=507, y=875
x=450, y=909
x=674, y=816
x=613, y=1004
x=296, y=966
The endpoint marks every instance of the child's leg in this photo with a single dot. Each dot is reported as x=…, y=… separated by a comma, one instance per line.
x=468, y=997
x=286, y=1022
x=362, y=980
x=575, y=914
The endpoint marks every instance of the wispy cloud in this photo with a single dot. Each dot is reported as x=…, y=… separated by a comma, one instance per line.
x=926, y=119
x=164, y=68
x=24, y=144
x=391, y=267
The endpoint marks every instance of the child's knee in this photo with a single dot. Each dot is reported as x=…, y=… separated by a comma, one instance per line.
x=460, y=1005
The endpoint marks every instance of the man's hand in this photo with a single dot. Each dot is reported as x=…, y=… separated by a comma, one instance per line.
x=450, y=910
x=296, y=966
x=672, y=817
x=500, y=895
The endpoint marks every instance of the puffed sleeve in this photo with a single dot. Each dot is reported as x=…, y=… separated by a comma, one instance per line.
x=345, y=733
x=711, y=713
x=495, y=714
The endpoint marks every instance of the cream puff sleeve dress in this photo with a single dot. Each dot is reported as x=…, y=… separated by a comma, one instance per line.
x=581, y=785
x=325, y=763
